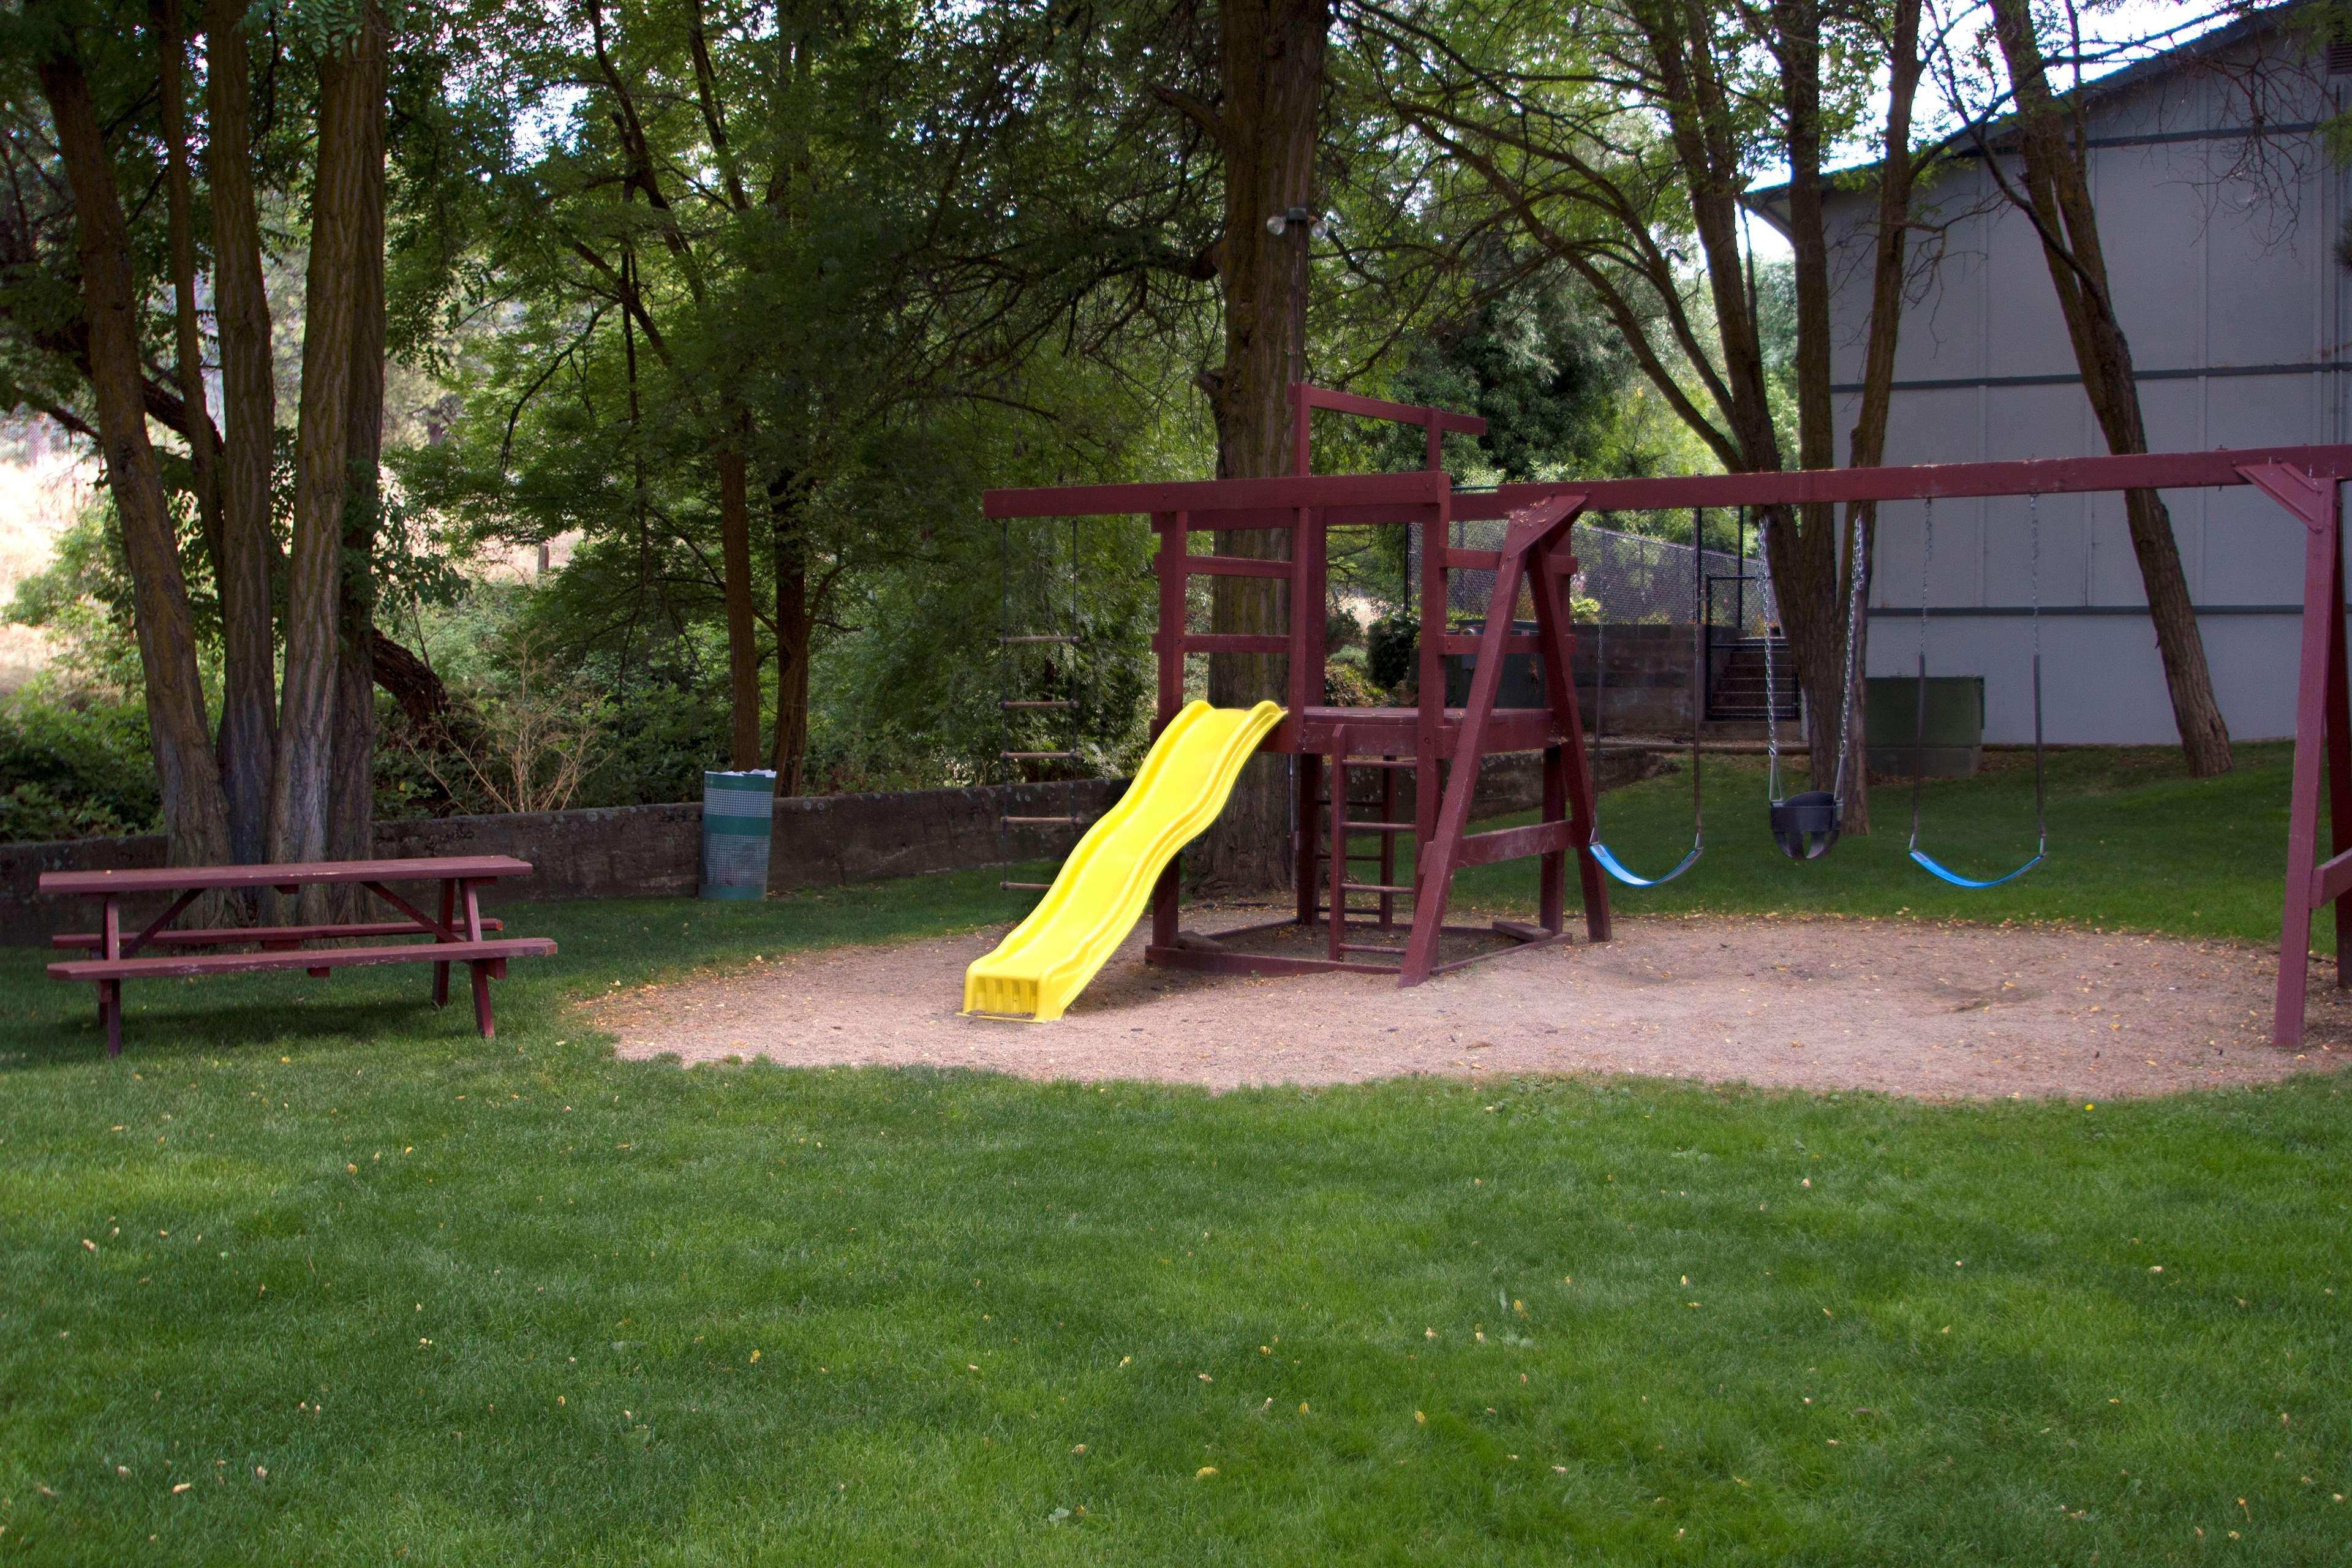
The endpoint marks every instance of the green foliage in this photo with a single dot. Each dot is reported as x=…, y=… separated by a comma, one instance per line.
x=1388, y=648
x=74, y=771
x=1537, y=363
x=1345, y=685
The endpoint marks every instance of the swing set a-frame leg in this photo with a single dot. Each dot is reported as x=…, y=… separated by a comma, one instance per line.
x=2323, y=740
x=1533, y=531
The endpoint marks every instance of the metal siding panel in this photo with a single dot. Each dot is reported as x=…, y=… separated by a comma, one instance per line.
x=2025, y=334
x=2154, y=235
x=2259, y=291
x=1851, y=220
x=2037, y=422
x=1943, y=329
x=2254, y=551
x=1943, y=425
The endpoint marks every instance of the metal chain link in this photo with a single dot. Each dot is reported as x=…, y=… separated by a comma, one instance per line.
x=1772, y=681
x=1858, y=569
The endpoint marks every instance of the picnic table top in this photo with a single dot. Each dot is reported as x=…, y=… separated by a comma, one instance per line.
x=179, y=878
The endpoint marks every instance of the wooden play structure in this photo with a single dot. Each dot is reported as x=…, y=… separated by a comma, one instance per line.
x=1443, y=747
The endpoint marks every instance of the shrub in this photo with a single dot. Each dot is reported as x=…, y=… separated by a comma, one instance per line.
x=1389, y=649
x=1345, y=685
x=70, y=771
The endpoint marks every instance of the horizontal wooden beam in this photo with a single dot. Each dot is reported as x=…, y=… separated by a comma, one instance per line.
x=1421, y=486
x=1236, y=566
x=2045, y=476
x=1379, y=408
x=2330, y=879
x=1517, y=842
x=1227, y=642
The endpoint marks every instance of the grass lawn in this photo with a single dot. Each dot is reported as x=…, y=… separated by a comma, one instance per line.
x=520, y=1303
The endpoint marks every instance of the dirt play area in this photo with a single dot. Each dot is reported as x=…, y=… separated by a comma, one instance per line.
x=1935, y=1011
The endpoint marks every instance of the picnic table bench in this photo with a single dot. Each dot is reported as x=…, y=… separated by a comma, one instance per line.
x=459, y=936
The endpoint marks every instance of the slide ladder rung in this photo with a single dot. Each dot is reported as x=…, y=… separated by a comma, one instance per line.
x=1379, y=826
x=1371, y=887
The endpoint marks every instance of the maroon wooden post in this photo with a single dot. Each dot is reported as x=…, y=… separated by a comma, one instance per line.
x=109, y=992
x=1338, y=927
x=1551, y=888
x=1167, y=892
x=1556, y=628
x=448, y=914
x=2316, y=505
x=1429, y=715
x=2339, y=736
x=481, y=967
x=1306, y=656
x=1302, y=408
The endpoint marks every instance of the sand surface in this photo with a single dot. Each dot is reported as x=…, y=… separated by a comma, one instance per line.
x=1938, y=1012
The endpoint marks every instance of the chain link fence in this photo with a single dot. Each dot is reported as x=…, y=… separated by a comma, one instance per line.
x=1626, y=579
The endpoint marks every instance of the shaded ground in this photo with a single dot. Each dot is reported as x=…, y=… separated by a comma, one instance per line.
x=1934, y=1011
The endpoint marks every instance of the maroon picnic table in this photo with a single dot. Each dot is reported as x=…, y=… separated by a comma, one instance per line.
x=457, y=935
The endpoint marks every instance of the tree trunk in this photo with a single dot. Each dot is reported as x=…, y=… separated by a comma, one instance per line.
x=1897, y=174
x=1816, y=611
x=338, y=231
x=742, y=627
x=795, y=621
x=2057, y=200
x=187, y=335
x=351, y=796
x=1271, y=55
x=196, y=818
x=412, y=682
x=248, y=735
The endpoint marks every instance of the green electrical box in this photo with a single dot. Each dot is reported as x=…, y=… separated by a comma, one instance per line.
x=1949, y=746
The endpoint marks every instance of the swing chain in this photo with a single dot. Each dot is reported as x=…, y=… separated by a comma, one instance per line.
x=1859, y=573
x=1858, y=569
x=1772, y=681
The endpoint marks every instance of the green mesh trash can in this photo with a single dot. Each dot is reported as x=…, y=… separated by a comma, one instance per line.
x=738, y=810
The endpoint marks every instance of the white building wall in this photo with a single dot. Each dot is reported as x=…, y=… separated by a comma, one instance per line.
x=2226, y=276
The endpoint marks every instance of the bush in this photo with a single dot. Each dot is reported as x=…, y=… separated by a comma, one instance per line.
x=1345, y=685
x=1389, y=649
x=74, y=772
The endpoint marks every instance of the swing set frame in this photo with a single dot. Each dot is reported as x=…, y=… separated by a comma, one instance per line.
x=1444, y=746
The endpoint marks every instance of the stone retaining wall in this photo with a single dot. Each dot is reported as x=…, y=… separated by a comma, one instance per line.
x=641, y=851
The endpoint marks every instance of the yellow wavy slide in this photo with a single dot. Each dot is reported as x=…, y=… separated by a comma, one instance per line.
x=1039, y=970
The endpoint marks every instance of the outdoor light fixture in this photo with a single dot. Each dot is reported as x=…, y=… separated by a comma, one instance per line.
x=1283, y=220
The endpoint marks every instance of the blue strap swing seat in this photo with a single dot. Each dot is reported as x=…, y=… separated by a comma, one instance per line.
x=1919, y=718
x=1601, y=852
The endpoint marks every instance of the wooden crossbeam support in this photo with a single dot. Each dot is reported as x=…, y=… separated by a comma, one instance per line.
x=2331, y=880
x=1229, y=642
x=1517, y=842
x=1234, y=566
